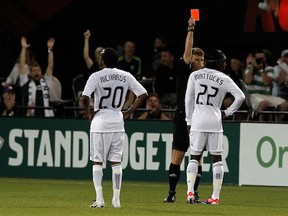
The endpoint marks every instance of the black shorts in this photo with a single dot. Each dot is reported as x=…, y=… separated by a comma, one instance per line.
x=180, y=133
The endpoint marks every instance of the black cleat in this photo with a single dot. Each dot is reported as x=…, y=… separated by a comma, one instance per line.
x=171, y=197
x=196, y=197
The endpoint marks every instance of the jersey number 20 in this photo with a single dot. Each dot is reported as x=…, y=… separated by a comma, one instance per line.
x=117, y=91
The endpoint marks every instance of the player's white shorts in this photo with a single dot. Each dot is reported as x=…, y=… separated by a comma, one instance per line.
x=106, y=146
x=212, y=141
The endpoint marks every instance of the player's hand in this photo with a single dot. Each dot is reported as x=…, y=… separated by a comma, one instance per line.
x=126, y=114
x=92, y=114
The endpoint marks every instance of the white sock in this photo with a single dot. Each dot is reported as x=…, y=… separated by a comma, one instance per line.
x=218, y=174
x=97, y=174
x=191, y=173
x=116, y=182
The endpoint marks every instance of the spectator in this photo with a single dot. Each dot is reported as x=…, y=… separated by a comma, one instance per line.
x=165, y=79
x=129, y=61
x=35, y=91
x=54, y=85
x=8, y=102
x=160, y=43
x=13, y=77
x=280, y=83
x=236, y=71
x=92, y=66
x=153, y=109
x=258, y=78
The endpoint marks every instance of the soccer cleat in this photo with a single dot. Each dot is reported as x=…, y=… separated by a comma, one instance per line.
x=96, y=204
x=171, y=197
x=196, y=197
x=116, y=205
x=190, y=201
x=211, y=201
x=190, y=198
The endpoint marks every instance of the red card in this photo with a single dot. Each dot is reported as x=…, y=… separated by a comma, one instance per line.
x=195, y=14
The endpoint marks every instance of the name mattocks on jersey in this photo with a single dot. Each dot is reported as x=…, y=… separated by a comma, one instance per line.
x=113, y=77
x=207, y=76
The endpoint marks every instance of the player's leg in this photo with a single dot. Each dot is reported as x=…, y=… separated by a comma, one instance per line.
x=97, y=170
x=218, y=174
x=174, y=169
x=197, y=181
x=174, y=174
x=198, y=178
x=215, y=147
x=115, y=156
x=116, y=184
x=191, y=173
x=180, y=146
x=197, y=143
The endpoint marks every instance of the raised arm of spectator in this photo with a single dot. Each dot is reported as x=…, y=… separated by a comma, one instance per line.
x=88, y=60
x=22, y=60
x=187, y=55
x=50, y=65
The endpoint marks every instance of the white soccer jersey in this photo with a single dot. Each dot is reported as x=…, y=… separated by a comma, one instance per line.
x=205, y=93
x=110, y=86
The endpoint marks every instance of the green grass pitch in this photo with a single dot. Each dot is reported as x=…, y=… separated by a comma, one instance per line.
x=72, y=197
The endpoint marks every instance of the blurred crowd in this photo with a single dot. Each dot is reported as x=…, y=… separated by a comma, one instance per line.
x=30, y=90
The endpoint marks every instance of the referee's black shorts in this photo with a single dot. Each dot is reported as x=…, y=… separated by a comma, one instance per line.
x=180, y=133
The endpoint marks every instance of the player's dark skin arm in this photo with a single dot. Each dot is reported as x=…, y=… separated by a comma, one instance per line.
x=86, y=104
x=137, y=103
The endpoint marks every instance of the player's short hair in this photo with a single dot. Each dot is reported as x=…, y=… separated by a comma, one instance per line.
x=98, y=50
x=197, y=51
x=213, y=57
x=110, y=57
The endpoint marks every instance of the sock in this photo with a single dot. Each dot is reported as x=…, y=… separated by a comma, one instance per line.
x=174, y=175
x=191, y=173
x=97, y=173
x=198, y=177
x=116, y=182
x=218, y=174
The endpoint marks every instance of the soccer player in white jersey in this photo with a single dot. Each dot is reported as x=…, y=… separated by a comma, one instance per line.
x=205, y=92
x=110, y=86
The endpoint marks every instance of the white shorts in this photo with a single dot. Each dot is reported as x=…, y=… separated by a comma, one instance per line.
x=106, y=146
x=212, y=141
